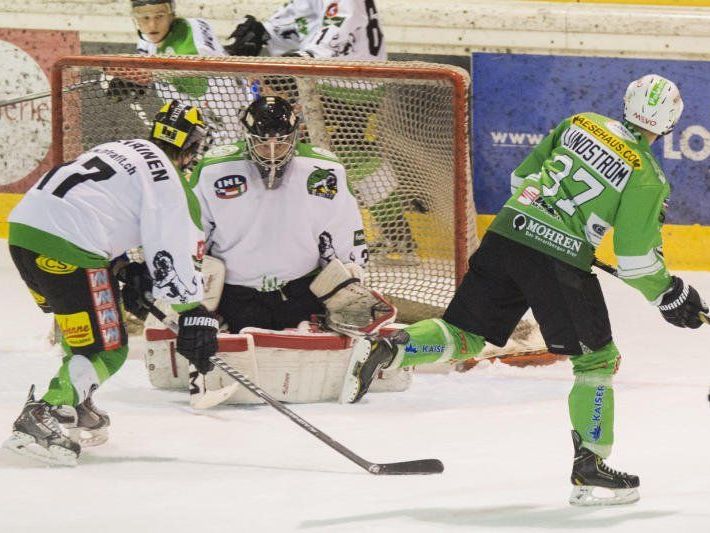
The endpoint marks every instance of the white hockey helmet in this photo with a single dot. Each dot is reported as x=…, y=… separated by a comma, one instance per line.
x=653, y=103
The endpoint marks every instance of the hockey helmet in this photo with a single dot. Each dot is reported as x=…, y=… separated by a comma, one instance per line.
x=271, y=130
x=180, y=127
x=653, y=103
x=141, y=3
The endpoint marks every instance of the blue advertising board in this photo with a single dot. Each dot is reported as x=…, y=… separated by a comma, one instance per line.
x=517, y=99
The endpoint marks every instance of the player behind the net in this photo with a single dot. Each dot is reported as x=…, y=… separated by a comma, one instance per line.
x=64, y=235
x=591, y=173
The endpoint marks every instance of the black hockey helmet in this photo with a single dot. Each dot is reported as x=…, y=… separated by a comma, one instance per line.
x=271, y=130
x=178, y=129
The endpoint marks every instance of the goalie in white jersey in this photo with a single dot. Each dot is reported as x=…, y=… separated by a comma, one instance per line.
x=64, y=235
x=276, y=211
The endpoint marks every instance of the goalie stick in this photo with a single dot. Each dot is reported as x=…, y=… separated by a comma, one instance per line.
x=704, y=318
x=418, y=466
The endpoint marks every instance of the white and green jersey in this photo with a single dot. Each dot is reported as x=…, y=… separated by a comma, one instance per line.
x=187, y=37
x=270, y=237
x=115, y=197
x=346, y=29
x=592, y=173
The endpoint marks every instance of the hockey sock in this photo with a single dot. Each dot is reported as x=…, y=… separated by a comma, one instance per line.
x=434, y=341
x=79, y=373
x=591, y=400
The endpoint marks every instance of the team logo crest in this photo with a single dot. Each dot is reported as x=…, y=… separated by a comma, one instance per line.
x=323, y=183
x=230, y=187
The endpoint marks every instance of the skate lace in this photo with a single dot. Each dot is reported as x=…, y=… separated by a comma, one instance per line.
x=48, y=420
x=609, y=470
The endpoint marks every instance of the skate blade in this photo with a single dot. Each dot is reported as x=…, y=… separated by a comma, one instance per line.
x=26, y=445
x=89, y=437
x=351, y=383
x=584, y=496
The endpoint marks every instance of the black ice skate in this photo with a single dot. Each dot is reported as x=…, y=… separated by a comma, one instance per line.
x=589, y=472
x=37, y=433
x=89, y=427
x=369, y=356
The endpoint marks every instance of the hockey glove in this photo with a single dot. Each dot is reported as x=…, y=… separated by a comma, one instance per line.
x=197, y=337
x=249, y=38
x=137, y=291
x=119, y=89
x=681, y=305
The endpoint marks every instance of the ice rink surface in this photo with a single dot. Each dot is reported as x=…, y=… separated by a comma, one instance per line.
x=502, y=432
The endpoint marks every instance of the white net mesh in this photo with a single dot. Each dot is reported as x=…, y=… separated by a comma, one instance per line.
x=400, y=129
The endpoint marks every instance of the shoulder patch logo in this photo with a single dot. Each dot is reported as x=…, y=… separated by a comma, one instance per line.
x=223, y=151
x=230, y=187
x=323, y=183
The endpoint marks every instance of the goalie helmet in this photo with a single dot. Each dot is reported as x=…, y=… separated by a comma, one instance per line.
x=653, y=103
x=271, y=130
x=179, y=130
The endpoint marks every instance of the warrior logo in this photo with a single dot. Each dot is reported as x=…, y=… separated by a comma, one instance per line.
x=230, y=187
x=323, y=183
x=167, y=277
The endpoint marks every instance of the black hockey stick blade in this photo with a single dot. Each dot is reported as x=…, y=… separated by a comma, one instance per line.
x=407, y=468
x=402, y=468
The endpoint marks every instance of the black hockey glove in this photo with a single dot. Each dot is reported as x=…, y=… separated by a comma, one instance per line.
x=249, y=38
x=119, y=89
x=137, y=291
x=682, y=305
x=197, y=337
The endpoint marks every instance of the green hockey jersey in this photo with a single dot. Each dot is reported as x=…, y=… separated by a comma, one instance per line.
x=592, y=173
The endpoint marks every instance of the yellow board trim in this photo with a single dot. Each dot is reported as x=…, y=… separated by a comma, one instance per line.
x=685, y=3
x=684, y=247
x=7, y=203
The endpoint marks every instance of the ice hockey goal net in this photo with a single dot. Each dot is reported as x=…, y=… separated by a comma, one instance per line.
x=400, y=129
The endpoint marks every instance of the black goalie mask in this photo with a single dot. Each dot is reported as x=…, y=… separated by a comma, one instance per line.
x=271, y=130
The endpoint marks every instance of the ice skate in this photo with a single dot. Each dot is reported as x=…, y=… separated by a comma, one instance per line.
x=368, y=357
x=89, y=426
x=38, y=434
x=590, y=474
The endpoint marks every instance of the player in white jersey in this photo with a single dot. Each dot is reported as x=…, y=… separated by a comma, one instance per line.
x=344, y=29
x=64, y=235
x=276, y=211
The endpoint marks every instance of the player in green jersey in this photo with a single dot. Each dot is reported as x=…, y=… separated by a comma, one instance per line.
x=591, y=173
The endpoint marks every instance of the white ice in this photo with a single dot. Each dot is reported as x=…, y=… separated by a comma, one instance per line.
x=502, y=432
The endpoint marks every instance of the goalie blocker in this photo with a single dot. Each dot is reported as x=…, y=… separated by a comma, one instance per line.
x=302, y=365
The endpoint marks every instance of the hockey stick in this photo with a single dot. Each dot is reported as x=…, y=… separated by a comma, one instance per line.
x=46, y=94
x=419, y=466
x=704, y=318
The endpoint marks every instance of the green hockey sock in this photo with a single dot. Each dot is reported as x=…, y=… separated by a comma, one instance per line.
x=591, y=400
x=434, y=340
x=79, y=373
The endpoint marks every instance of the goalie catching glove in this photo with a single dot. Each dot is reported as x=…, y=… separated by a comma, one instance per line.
x=681, y=305
x=197, y=337
x=351, y=308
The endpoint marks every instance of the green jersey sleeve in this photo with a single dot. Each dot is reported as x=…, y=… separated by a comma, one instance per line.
x=638, y=241
x=535, y=160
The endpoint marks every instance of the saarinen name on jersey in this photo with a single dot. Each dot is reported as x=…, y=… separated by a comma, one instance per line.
x=155, y=163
